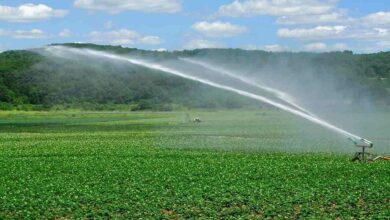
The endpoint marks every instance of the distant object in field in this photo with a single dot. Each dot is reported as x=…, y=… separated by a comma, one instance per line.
x=197, y=120
x=188, y=119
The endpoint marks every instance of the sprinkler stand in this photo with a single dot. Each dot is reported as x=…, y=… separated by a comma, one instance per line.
x=363, y=155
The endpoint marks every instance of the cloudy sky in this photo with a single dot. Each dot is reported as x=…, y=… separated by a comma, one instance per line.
x=273, y=25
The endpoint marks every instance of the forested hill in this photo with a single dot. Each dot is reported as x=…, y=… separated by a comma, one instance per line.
x=29, y=80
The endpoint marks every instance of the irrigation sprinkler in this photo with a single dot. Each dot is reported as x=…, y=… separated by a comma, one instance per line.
x=363, y=155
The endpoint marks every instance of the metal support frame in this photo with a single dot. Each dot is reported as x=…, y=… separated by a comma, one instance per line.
x=363, y=156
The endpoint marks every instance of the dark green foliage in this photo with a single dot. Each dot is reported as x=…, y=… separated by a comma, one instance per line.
x=16, y=83
x=100, y=85
x=27, y=78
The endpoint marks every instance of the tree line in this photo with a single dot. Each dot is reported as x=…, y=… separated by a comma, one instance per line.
x=32, y=81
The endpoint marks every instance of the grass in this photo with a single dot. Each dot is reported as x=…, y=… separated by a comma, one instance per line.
x=235, y=164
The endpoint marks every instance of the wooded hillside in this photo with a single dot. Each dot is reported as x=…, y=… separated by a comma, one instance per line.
x=29, y=80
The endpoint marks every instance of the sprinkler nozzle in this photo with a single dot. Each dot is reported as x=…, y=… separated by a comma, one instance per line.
x=361, y=142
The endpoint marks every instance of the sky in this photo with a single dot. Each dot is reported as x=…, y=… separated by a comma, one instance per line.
x=273, y=25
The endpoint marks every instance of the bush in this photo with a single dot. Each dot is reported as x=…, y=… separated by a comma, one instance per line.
x=6, y=106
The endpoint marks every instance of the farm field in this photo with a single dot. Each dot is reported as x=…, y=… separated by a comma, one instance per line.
x=234, y=164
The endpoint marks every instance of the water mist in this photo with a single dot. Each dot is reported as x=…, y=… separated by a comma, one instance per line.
x=66, y=52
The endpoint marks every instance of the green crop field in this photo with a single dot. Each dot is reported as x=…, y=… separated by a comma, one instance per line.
x=234, y=164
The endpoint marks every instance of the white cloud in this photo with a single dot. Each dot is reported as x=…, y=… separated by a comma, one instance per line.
x=123, y=37
x=161, y=50
x=338, y=16
x=22, y=34
x=250, y=47
x=368, y=34
x=327, y=18
x=321, y=47
x=65, y=33
x=364, y=32
x=248, y=8
x=200, y=44
x=150, y=40
x=318, y=46
x=335, y=32
x=269, y=47
x=29, y=13
x=377, y=19
x=316, y=20
x=364, y=39
x=218, y=29
x=117, y=6
x=313, y=33
x=275, y=48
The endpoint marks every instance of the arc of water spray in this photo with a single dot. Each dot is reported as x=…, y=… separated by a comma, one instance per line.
x=165, y=69
x=281, y=95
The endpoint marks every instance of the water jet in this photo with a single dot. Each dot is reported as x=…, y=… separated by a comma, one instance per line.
x=299, y=111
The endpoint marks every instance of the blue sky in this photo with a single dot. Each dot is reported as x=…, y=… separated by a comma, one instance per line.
x=273, y=25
